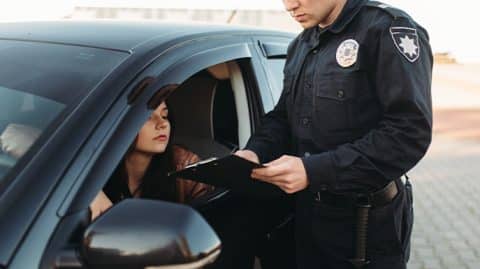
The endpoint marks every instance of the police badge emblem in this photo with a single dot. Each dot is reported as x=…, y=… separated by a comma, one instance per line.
x=406, y=41
x=347, y=53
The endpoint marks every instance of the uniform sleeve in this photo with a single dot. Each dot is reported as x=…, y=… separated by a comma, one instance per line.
x=403, y=86
x=273, y=136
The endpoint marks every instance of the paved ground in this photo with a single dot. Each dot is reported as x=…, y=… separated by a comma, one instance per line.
x=446, y=200
x=447, y=182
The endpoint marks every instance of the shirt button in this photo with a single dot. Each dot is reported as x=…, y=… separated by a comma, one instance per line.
x=305, y=121
x=340, y=94
x=315, y=51
x=306, y=154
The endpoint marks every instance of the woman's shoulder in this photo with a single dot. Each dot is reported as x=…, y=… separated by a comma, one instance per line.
x=188, y=189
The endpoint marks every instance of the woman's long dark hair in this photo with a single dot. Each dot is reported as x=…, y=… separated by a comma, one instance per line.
x=155, y=183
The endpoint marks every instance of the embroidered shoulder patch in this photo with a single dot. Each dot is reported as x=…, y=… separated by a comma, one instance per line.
x=406, y=41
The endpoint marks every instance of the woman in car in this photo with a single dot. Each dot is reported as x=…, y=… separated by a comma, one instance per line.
x=142, y=173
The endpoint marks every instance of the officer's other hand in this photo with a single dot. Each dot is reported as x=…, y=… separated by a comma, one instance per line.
x=248, y=154
x=288, y=173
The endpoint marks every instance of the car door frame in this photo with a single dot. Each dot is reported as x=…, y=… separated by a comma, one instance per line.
x=269, y=47
x=121, y=123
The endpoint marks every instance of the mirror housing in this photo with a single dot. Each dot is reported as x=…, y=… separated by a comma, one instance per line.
x=140, y=233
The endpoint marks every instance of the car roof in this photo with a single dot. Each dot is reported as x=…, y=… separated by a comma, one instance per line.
x=114, y=34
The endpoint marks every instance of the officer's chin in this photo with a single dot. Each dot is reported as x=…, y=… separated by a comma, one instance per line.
x=307, y=24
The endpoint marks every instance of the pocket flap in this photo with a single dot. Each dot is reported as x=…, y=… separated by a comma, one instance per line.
x=339, y=87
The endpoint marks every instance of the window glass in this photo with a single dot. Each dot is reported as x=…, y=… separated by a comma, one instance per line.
x=40, y=82
x=275, y=76
x=23, y=117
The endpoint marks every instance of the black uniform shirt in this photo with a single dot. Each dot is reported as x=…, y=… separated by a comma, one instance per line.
x=356, y=103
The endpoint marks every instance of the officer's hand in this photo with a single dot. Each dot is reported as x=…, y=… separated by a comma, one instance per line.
x=287, y=172
x=248, y=154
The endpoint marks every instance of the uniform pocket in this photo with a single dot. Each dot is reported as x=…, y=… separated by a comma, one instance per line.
x=342, y=103
x=330, y=111
x=332, y=96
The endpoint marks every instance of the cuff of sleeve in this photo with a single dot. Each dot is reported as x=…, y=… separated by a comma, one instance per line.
x=258, y=149
x=320, y=171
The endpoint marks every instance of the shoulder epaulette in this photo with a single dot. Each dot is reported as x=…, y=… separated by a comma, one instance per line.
x=392, y=11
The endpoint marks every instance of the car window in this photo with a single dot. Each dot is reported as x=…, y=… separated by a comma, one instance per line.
x=58, y=72
x=275, y=76
x=38, y=83
x=23, y=116
x=205, y=114
x=203, y=123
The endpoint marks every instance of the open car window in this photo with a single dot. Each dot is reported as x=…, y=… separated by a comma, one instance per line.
x=208, y=114
x=205, y=113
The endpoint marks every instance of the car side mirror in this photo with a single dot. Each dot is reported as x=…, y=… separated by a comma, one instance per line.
x=139, y=233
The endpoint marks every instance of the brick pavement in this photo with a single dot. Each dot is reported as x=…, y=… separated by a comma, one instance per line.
x=447, y=213
x=446, y=182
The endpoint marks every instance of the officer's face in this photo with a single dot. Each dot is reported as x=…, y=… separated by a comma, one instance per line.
x=310, y=13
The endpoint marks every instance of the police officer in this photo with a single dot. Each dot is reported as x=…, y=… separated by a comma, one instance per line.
x=354, y=116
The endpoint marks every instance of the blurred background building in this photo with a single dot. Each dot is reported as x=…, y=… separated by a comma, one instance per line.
x=451, y=31
x=253, y=16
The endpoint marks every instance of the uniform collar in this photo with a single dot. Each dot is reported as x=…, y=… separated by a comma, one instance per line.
x=348, y=13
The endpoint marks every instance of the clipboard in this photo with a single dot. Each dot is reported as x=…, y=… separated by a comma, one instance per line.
x=231, y=172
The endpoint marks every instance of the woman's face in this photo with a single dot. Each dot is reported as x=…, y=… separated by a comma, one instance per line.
x=155, y=133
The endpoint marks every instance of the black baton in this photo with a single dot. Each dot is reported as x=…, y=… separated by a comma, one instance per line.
x=360, y=260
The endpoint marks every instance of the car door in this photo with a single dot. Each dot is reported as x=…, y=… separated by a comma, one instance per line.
x=100, y=154
x=43, y=85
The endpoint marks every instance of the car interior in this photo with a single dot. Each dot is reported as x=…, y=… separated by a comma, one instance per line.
x=211, y=116
x=212, y=119
x=212, y=105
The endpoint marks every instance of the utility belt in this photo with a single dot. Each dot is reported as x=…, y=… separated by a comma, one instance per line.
x=362, y=203
x=376, y=199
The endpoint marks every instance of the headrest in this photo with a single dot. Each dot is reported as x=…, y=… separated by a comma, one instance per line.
x=192, y=107
x=219, y=71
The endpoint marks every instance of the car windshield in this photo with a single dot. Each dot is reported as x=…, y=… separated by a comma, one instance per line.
x=39, y=84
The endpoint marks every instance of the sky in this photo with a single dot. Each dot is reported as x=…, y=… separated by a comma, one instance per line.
x=452, y=24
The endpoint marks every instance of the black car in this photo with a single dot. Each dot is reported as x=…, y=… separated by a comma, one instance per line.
x=80, y=91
